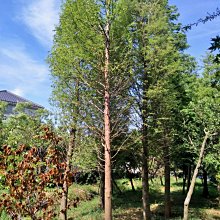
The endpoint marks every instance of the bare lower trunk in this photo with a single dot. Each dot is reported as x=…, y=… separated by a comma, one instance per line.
x=184, y=180
x=64, y=199
x=108, y=185
x=161, y=181
x=116, y=186
x=167, y=180
x=152, y=180
x=102, y=178
x=145, y=178
x=102, y=190
x=132, y=184
x=176, y=176
x=205, y=192
x=189, y=177
x=130, y=177
x=218, y=188
x=191, y=188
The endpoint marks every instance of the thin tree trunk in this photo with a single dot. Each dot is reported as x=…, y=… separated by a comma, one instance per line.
x=132, y=184
x=116, y=186
x=102, y=178
x=189, y=177
x=167, y=180
x=108, y=186
x=130, y=177
x=145, y=178
x=64, y=199
x=176, y=176
x=102, y=189
x=191, y=188
x=218, y=188
x=205, y=192
x=152, y=180
x=145, y=153
x=161, y=181
x=184, y=180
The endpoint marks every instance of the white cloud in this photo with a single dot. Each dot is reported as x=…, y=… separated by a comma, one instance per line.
x=20, y=65
x=22, y=74
x=18, y=91
x=41, y=16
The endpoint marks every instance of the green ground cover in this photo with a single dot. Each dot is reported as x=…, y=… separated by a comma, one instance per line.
x=127, y=205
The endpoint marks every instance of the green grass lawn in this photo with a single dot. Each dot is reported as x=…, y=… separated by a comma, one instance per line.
x=127, y=205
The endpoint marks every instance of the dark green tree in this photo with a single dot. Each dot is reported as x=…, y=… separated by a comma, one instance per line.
x=158, y=47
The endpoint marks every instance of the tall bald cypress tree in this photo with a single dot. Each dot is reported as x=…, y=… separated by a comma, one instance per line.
x=91, y=47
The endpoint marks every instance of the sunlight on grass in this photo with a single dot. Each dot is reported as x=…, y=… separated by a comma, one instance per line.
x=127, y=205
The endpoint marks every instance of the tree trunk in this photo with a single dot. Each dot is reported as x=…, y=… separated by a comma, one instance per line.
x=152, y=180
x=191, y=188
x=161, y=181
x=167, y=180
x=205, y=192
x=132, y=184
x=102, y=189
x=145, y=178
x=184, y=179
x=130, y=177
x=218, y=188
x=145, y=153
x=176, y=176
x=64, y=198
x=116, y=186
x=108, y=186
x=189, y=177
x=102, y=178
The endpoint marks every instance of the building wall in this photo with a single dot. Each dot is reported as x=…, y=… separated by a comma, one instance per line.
x=10, y=110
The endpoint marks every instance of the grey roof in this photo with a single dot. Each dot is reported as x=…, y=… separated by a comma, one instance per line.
x=10, y=97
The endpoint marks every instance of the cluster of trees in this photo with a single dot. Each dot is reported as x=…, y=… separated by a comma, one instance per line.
x=127, y=98
x=121, y=80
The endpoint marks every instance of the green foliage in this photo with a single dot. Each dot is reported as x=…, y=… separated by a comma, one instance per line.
x=77, y=64
x=215, y=45
x=127, y=159
x=21, y=127
x=202, y=113
x=152, y=83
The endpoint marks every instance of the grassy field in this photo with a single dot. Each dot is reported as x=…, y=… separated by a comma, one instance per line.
x=127, y=205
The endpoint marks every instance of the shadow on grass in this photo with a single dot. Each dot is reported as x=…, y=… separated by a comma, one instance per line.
x=128, y=204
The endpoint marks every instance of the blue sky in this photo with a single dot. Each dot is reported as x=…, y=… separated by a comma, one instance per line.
x=26, y=34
